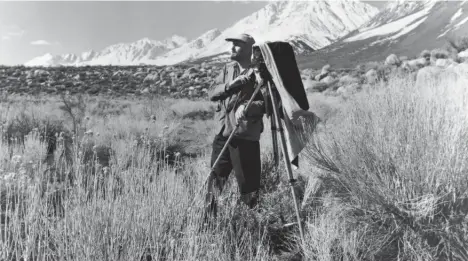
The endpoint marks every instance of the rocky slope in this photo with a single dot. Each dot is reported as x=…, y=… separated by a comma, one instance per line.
x=194, y=80
x=345, y=82
x=174, y=81
x=403, y=28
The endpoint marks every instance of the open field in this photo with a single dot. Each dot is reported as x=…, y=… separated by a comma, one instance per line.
x=384, y=178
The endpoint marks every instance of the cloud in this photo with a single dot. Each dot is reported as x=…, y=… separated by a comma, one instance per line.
x=40, y=42
x=44, y=42
x=8, y=32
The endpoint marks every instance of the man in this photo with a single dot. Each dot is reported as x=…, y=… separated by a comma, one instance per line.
x=235, y=86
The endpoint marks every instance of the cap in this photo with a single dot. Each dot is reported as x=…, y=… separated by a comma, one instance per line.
x=246, y=38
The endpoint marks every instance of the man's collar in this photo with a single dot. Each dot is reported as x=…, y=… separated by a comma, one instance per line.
x=235, y=65
x=232, y=64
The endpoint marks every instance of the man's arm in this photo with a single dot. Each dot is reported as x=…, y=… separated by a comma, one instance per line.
x=240, y=82
x=235, y=86
x=218, y=86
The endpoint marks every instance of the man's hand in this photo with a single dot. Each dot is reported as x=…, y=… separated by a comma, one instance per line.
x=217, y=97
x=217, y=93
x=240, y=114
x=258, y=78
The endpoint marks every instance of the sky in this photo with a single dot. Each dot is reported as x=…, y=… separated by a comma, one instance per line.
x=31, y=29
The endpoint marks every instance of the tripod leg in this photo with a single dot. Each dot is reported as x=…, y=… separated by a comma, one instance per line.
x=286, y=158
x=274, y=135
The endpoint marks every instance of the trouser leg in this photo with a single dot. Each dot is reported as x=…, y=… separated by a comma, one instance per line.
x=246, y=161
x=219, y=175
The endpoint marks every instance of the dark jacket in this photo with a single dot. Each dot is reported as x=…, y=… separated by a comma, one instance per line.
x=239, y=87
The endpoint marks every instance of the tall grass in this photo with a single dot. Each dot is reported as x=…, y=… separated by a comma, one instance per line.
x=387, y=180
x=130, y=205
x=396, y=158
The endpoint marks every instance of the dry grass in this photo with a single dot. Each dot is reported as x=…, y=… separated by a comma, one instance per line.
x=140, y=198
x=400, y=155
x=387, y=181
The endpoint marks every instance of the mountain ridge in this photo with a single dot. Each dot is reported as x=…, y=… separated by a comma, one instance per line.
x=319, y=24
x=404, y=30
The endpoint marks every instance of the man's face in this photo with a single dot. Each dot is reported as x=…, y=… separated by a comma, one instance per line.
x=239, y=51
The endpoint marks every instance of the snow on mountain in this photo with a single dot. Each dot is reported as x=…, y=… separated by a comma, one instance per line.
x=318, y=23
x=307, y=25
x=136, y=52
x=45, y=60
x=51, y=60
x=187, y=51
x=176, y=41
x=404, y=28
x=86, y=56
x=392, y=22
x=402, y=17
x=117, y=54
x=457, y=20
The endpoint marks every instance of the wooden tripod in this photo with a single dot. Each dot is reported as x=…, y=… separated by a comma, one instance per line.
x=279, y=128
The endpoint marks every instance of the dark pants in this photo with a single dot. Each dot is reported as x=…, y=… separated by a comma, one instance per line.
x=242, y=156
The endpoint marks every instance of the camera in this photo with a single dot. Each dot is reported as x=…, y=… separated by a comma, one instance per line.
x=258, y=63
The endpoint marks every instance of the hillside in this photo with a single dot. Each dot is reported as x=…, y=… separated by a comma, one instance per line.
x=404, y=29
x=173, y=81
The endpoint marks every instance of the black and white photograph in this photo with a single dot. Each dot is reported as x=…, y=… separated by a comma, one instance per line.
x=234, y=130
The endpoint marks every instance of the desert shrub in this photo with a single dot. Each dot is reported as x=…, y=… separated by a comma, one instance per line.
x=361, y=68
x=333, y=74
x=336, y=232
x=452, y=52
x=104, y=107
x=371, y=65
x=383, y=71
x=197, y=110
x=349, y=79
x=392, y=60
x=325, y=107
x=400, y=152
x=316, y=86
x=425, y=54
x=355, y=74
x=439, y=54
x=326, y=68
x=74, y=108
x=371, y=76
x=50, y=130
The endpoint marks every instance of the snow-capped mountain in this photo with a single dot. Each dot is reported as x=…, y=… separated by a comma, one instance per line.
x=121, y=53
x=404, y=28
x=50, y=60
x=400, y=18
x=86, y=56
x=187, y=51
x=308, y=25
x=317, y=23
